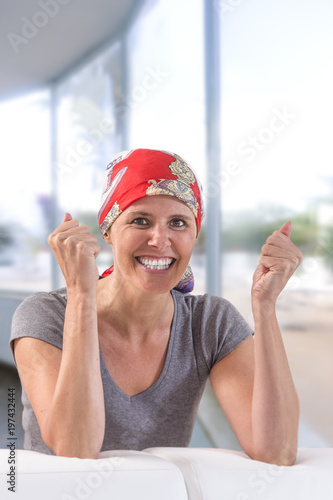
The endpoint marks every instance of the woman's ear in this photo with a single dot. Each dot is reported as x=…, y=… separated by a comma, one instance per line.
x=107, y=237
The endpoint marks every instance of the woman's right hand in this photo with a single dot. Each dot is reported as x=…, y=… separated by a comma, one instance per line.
x=75, y=250
x=64, y=386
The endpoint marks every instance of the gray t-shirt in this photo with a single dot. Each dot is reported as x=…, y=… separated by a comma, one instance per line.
x=205, y=328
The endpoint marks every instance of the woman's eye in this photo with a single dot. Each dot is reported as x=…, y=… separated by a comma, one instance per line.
x=178, y=223
x=140, y=221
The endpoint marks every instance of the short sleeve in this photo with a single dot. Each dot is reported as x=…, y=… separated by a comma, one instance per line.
x=221, y=328
x=40, y=316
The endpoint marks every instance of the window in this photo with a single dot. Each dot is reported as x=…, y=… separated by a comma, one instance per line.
x=25, y=193
x=89, y=134
x=165, y=99
x=277, y=156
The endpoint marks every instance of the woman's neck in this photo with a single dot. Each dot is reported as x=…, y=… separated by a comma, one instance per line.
x=135, y=315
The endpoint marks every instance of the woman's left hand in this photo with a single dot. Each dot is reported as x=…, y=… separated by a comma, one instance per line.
x=279, y=260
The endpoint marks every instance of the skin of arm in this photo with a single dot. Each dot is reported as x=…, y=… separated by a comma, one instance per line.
x=254, y=384
x=65, y=387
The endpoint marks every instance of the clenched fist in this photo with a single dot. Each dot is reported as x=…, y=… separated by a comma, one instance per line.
x=75, y=250
x=279, y=260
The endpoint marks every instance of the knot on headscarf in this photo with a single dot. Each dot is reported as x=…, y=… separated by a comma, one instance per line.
x=135, y=174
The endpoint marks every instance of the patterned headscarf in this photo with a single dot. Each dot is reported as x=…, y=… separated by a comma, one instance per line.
x=135, y=174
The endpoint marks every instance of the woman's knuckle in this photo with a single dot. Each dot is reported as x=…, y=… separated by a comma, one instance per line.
x=56, y=240
x=295, y=261
x=80, y=244
x=70, y=243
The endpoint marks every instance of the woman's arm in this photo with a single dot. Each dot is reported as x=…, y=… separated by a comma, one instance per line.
x=65, y=387
x=253, y=383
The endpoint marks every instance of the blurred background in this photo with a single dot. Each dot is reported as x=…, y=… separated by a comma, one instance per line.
x=242, y=89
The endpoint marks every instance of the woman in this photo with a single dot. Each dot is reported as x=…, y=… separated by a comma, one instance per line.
x=121, y=361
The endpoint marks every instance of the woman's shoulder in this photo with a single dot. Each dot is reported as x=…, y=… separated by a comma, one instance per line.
x=216, y=325
x=41, y=315
x=204, y=302
x=41, y=301
x=210, y=312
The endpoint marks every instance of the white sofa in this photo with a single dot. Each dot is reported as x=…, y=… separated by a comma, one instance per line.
x=165, y=474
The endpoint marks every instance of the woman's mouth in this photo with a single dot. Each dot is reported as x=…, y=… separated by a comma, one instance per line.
x=156, y=264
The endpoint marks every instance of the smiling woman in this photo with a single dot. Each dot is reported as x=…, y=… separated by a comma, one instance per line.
x=160, y=174
x=120, y=361
x=152, y=243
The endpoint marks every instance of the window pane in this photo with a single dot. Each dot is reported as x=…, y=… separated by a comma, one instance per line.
x=25, y=193
x=165, y=100
x=89, y=134
x=277, y=156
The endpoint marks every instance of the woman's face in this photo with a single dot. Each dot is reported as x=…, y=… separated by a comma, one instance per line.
x=152, y=243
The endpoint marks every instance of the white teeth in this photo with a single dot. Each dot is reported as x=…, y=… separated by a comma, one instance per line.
x=160, y=264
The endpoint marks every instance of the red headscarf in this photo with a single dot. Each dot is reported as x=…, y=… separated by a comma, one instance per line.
x=138, y=173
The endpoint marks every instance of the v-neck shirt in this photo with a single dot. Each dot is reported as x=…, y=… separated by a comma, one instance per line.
x=205, y=329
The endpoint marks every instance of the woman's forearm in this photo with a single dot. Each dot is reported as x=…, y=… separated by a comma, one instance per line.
x=275, y=407
x=76, y=420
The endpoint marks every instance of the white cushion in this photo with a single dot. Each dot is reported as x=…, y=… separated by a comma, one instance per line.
x=116, y=475
x=162, y=473
x=216, y=474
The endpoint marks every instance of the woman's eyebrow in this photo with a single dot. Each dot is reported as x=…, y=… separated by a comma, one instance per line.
x=181, y=216
x=148, y=214
x=145, y=214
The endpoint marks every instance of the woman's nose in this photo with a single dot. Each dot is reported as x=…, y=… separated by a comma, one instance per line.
x=159, y=237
